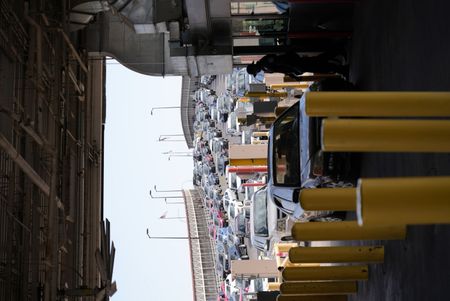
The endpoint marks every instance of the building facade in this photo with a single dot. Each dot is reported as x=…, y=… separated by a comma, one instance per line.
x=51, y=156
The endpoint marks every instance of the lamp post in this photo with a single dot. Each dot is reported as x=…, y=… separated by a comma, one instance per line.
x=170, y=237
x=177, y=153
x=165, y=108
x=186, y=156
x=163, y=197
x=173, y=190
x=172, y=203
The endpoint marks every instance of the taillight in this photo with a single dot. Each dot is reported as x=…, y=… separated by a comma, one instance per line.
x=317, y=168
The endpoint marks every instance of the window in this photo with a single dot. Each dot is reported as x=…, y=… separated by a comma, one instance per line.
x=286, y=148
x=258, y=27
x=253, y=8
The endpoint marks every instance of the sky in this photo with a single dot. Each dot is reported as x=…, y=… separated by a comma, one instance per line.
x=145, y=269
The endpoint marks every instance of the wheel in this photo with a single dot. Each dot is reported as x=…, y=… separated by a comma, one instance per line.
x=287, y=238
x=334, y=217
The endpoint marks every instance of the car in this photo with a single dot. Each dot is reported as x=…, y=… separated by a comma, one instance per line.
x=229, y=195
x=232, y=292
x=296, y=162
x=222, y=161
x=223, y=265
x=264, y=217
x=241, y=225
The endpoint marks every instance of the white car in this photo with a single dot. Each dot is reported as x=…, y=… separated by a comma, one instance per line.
x=230, y=194
x=263, y=221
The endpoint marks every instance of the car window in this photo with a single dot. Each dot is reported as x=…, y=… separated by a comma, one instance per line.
x=240, y=221
x=260, y=213
x=232, y=212
x=286, y=151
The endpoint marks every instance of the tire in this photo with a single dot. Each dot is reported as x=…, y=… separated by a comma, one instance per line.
x=334, y=217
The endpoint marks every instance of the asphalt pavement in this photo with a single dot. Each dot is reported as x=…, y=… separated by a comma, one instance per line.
x=404, y=45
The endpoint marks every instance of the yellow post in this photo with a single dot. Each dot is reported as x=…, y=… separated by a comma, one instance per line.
x=336, y=254
x=266, y=94
x=288, y=85
x=335, y=199
x=284, y=247
x=248, y=162
x=383, y=135
x=318, y=288
x=312, y=298
x=273, y=286
x=353, y=272
x=378, y=104
x=346, y=230
x=404, y=201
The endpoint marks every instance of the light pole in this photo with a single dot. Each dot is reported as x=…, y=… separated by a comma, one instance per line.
x=170, y=237
x=163, y=197
x=165, y=108
x=173, y=190
x=186, y=156
x=177, y=153
x=172, y=203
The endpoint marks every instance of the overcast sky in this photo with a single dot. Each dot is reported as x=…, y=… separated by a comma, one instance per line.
x=145, y=269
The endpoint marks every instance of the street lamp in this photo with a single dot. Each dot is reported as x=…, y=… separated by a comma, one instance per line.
x=163, y=197
x=172, y=203
x=171, y=152
x=173, y=190
x=164, y=108
x=170, y=237
x=170, y=156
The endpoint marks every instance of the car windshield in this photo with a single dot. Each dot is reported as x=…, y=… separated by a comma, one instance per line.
x=260, y=213
x=286, y=151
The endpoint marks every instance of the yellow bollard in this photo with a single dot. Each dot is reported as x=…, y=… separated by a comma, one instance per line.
x=346, y=230
x=312, y=298
x=404, y=201
x=318, y=288
x=248, y=162
x=378, y=104
x=336, y=254
x=326, y=273
x=284, y=247
x=266, y=94
x=288, y=85
x=273, y=286
x=334, y=199
x=383, y=135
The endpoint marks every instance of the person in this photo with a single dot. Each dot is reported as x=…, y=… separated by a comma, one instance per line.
x=294, y=65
